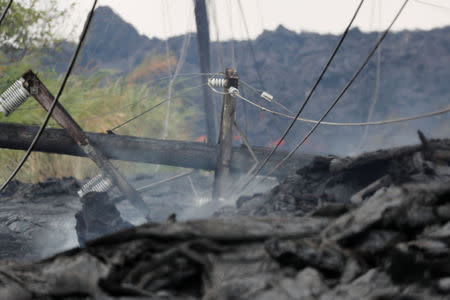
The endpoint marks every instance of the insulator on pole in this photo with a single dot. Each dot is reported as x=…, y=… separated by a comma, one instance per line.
x=217, y=82
x=99, y=183
x=13, y=97
x=233, y=91
x=267, y=96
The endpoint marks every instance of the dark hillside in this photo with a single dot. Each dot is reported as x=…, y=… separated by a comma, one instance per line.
x=413, y=78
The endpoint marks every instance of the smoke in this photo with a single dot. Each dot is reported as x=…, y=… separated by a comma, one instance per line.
x=58, y=235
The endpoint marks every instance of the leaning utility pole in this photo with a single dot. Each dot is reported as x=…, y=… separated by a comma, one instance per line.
x=201, y=19
x=38, y=90
x=222, y=175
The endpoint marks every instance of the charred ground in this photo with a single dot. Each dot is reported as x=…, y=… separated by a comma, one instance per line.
x=375, y=226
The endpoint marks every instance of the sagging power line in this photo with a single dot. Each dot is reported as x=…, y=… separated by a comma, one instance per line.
x=319, y=79
x=150, y=109
x=370, y=123
x=5, y=11
x=355, y=75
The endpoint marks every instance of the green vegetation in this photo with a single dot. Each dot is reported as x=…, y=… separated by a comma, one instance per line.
x=30, y=24
x=97, y=100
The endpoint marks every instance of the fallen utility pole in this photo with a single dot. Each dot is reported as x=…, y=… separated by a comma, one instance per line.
x=129, y=148
x=222, y=174
x=42, y=95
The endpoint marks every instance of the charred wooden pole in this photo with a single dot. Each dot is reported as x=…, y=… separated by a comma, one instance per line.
x=145, y=150
x=201, y=19
x=222, y=174
x=42, y=95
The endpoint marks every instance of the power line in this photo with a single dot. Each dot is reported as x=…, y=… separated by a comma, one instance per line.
x=154, y=184
x=257, y=68
x=433, y=4
x=258, y=91
x=165, y=22
x=150, y=109
x=169, y=68
x=58, y=95
x=139, y=115
x=213, y=14
x=264, y=162
x=376, y=94
x=188, y=75
x=382, y=122
x=5, y=11
x=180, y=62
x=232, y=40
x=250, y=44
x=371, y=53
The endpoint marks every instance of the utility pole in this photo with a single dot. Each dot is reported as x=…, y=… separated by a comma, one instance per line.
x=222, y=174
x=42, y=95
x=144, y=150
x=201, y=19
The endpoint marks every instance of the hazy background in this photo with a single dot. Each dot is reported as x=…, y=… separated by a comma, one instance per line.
x=134, y=47
x=166, y=18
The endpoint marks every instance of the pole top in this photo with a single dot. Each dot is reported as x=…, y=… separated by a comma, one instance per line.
x=232, y=78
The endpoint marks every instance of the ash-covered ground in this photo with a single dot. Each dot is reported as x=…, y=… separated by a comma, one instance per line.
x=38, y=220
x=375, y=226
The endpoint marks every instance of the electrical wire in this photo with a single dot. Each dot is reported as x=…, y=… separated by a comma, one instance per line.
x=213, y=10
x=153, y=185
x=376, y=94
x=355, y=75
x=250, y=44
x=188, y=75
x=150, y=109
x=319, y=79
x=259, y=91
x=58, y=95
x=258, y=70
x=5, y=11
x=139, y=115
x=348, y=124
x=433, y=4
x=232, y=39
x=373, y=123
x=169, y=68
x=180, y=63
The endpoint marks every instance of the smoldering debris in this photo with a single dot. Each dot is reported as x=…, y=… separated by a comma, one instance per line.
x=38, y=220
x=391, y=242
x=98, y=216
x=332, y=185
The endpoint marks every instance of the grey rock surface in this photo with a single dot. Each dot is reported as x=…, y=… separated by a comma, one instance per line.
x=393, y=244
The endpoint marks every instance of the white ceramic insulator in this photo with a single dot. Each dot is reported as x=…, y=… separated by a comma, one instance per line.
x=13, y=97
x=233, y=91
x=99, y=183
x=267, y=96
x=217, y=82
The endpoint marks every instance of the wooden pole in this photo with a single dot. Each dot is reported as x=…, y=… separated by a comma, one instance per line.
x=201, y=19
x=42, y=95
x=222, y=174
x=144, y=150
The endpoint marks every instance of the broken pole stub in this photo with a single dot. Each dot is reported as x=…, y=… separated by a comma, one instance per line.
x=42, y=95
x=222, y=172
